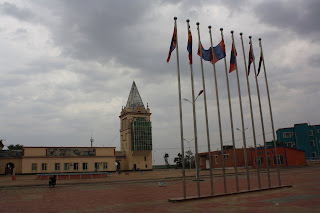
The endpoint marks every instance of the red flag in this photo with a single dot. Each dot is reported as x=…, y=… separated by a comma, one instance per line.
x=233, y=59
x=189, y=46
x=173, y=44
x=251, y=58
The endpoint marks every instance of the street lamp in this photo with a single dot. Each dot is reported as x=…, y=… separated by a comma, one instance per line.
x=201, y=91
x=240, y=130
x=189, y=149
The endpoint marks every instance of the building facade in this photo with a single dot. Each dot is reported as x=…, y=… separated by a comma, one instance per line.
x=303, y=137
x=135, y=134
x=287, y=156
x=216, y=161
x=35, y=160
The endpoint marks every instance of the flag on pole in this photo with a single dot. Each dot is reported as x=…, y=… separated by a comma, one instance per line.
x=233, y=59
x=206, y=54
x=173, y=44
x=189, y=47
x=219, y=52
x=260, y=61
x=251, y=58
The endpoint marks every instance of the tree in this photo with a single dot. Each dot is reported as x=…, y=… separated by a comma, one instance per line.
x=189, y=160
x=166, y=156
x=15, y=147
x=178, y=160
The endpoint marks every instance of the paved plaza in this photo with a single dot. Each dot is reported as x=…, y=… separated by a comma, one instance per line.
x=140, y=192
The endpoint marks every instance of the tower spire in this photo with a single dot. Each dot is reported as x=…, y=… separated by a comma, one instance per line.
x=134, y=99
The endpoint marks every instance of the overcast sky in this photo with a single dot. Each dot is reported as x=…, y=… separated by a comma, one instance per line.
x=67, y=68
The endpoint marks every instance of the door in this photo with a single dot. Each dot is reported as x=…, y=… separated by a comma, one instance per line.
x=207, y=164
x=9, y=168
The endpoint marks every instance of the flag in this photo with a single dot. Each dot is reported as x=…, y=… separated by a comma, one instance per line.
x=251, y=58
x=189, y=46
x=173, y=44
x=233, y=59
x=219, y=52
x=206, y=54
x=260, y=61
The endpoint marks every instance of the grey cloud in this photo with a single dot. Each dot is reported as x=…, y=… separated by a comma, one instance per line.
x=298, y=16
x=16, y=12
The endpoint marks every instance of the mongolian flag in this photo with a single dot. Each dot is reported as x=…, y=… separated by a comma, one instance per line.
x=173, y=44
x=251, y=58
x=233, y=59
x=260, y=61
x=206, y=54
x=189, y=46
x=219, y=53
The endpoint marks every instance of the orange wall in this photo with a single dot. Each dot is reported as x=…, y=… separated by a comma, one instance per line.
x=295, y=157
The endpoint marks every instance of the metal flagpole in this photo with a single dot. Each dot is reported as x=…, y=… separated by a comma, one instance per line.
x=261, y=116
x=196, y=145
x=231, y=119
x=271, y=116
x=252, y=120
x=241, y=112
x=206, y=112
x=181, y=123
x=219, y=118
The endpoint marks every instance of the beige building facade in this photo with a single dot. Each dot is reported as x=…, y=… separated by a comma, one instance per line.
x=35, y=160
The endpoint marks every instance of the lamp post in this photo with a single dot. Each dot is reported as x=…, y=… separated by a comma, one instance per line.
x=195, y=137
x=240, y=130
x=200, y=92
x=189, y=150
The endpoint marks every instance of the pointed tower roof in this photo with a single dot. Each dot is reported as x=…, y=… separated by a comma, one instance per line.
x=134, y=99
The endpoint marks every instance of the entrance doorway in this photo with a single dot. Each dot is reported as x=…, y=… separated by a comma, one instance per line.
x=9, y=168
x=135, y=167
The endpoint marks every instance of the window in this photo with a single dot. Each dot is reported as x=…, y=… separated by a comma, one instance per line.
x=226, y=156
x=34, y=167
x=318, y=130
x=216, y=159
x=75, y=166
x=44, y=167
x=287, y=134
x=280, y=160
x=66, y=166
x=96, y=166
x=314, y=154
x=146, y=166
x=269, y=161
x=145, y=158
x=310, y=132
x=57, y=166
x=259, y=161
x=290, y=144
x=84, y=166
x=105, y=165
x=312, y=143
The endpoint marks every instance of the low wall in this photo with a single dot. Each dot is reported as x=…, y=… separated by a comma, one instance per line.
x=72, y=176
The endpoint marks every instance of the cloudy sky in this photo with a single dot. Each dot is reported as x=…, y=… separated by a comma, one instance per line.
x=67, y=68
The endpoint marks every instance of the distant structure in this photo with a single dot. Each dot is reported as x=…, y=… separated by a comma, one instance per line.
x=91, y=140
x=135, y=134
x=302, y=136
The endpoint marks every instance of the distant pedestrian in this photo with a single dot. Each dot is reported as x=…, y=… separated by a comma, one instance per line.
x=53, y=181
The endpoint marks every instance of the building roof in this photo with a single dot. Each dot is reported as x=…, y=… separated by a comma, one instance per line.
x=134, y=99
